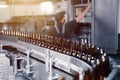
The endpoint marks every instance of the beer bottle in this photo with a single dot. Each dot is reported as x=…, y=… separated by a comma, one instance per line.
x=79, y=50
x=62, y=78
x=55, y=44
x=84, y=46
x=74, y=48
x=76, y=76
x=59, y=44
x=52, y=42
x=68, y=46
x=87, y=75
x=62, y=45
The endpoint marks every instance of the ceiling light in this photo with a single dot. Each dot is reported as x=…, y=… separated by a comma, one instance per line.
x=3, y=4
x=46, y=7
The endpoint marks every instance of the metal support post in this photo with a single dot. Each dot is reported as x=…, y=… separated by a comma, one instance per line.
x=15, y=66
x=28, y=71
x=49, y=63
x=47, y=60
x=28, y=62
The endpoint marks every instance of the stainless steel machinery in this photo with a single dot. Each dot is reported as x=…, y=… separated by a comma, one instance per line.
x=106, y=24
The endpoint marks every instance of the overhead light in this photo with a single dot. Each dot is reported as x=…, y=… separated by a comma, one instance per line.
x=46, y=7
x=3, y=4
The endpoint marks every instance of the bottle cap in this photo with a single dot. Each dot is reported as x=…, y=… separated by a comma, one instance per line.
x=98, y=62
x=101, y=51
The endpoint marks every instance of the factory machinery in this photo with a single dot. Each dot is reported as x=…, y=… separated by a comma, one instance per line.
x=33, y=56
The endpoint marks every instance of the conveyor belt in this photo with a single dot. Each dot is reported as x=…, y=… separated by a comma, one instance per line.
x=40, y=43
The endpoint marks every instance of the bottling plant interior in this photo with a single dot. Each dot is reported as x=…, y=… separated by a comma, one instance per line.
x=59, y=40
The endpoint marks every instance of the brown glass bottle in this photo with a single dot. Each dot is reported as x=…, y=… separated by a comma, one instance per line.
x=74, y=48
x=84, y=57
x=62, y=78
x=87, y=75
x=63, y=46
x=97, y=53
x=68, y=46
x=89, y=49
x=79, y=50
x=46, y=41
x=92, y=50
x=52, y=42
x=42, y=40
x=1, y=32
x=84, y=46
x=6, y=32
x=76, y=76
x=59, y=44
x=89, y=57
x=55, y=44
